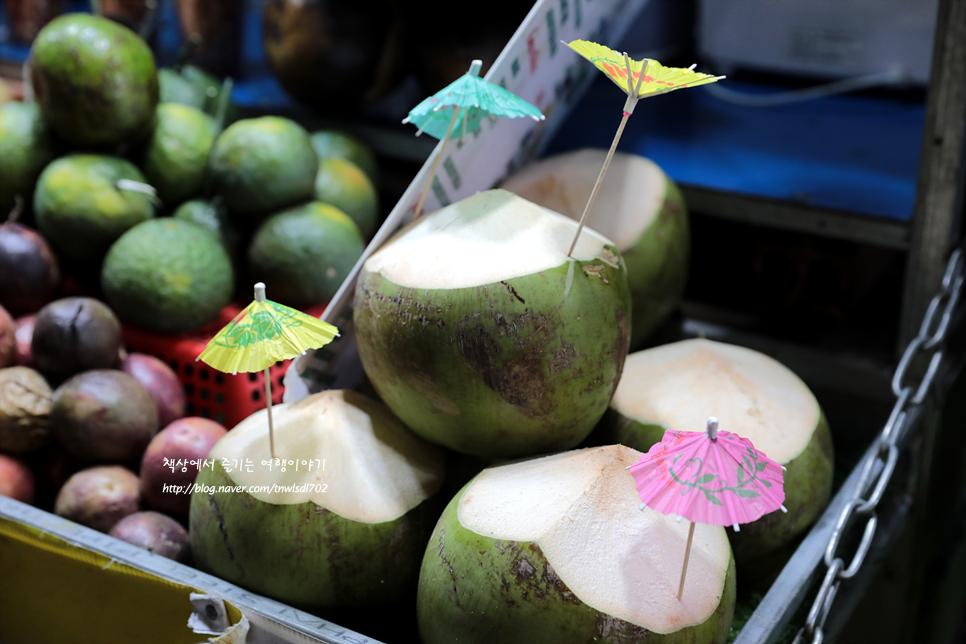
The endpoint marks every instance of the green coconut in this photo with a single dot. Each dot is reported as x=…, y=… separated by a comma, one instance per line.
x=346, y=533
x=638, y=207
x=480, y=333
x=555, y=550
x=678, y=386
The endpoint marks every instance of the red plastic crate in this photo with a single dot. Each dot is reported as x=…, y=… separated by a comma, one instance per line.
x=222, y=397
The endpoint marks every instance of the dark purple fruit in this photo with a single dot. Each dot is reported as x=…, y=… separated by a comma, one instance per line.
x=8, y=339
x=16, y=479
x=155, y=532
x=104, y=416
x=161, y=382
x=29, y=272
x=24, y=336
x=99, y=497
x=73, y=335
x=188, y=440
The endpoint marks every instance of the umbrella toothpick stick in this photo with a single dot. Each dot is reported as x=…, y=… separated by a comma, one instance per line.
x=687, y=555
x=439, y=157
x=600, y=180
x=268, y=399
x=757, y=484
x=260, y=297
x=633, y=95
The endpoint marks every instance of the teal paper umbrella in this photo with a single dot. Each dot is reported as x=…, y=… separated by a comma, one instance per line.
x=461, y=106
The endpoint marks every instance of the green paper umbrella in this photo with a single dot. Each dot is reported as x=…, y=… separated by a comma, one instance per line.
x=461, y=106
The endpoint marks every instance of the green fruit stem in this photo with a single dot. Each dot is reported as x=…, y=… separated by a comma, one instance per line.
x=224, y=99
x=16, y=211
x=143, y=188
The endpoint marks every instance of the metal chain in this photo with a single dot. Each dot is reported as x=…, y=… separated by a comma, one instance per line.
x=878, y=466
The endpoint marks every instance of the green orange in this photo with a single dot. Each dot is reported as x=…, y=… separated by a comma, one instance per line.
x=80, y=207
x=167, y=275
x=94, y=80
x=344, y=185
x=263, y=164
x=176, y=156
x=305, y=253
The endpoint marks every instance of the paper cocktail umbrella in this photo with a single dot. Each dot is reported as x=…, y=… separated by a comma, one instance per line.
x=639, y=79
x=460, y=107
x=716, y=477
x=261, y=335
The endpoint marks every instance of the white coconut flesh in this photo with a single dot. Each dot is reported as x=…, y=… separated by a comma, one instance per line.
x=679, y=385
x=582, y=510
x=628, y=201
x=489, y=237
x=376, y=469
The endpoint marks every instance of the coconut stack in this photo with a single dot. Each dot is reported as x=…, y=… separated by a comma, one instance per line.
x=637, y=206
x=482, y=335
x=678, y=386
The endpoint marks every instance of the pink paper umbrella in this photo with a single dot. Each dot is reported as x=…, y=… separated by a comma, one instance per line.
x=712, y=477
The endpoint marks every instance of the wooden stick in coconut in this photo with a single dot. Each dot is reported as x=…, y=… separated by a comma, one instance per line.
x=439, y=157
x=260, y=297
x=632, y=98
x=687, y=555
x=271, y=428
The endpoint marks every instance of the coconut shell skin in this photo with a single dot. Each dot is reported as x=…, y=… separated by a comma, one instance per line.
x=477, y=589
x=807, y=485
x=658, y=258
x=507, y=369
x=657, y=266
x=302, y=554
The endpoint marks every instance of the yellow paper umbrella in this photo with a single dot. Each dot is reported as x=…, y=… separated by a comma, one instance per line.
x=639, y=79
x=261, y=335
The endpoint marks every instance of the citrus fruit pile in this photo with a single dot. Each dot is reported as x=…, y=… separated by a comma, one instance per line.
x=142, y=196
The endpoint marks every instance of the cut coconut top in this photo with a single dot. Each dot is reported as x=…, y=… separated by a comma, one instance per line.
x=679, y=385
x=631, y=196
x=375, y=469
x=581, y=508
x=489, y=237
